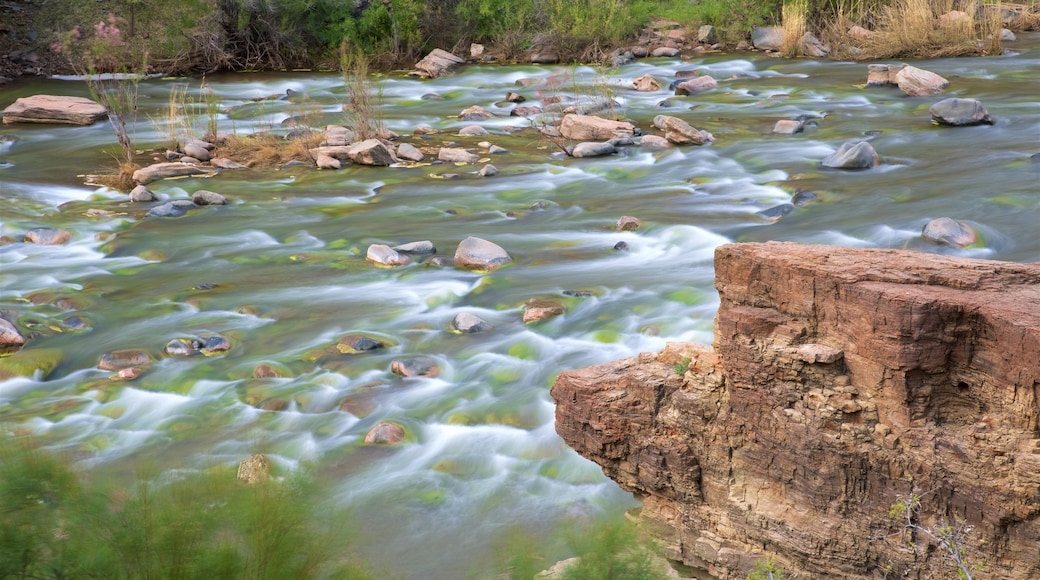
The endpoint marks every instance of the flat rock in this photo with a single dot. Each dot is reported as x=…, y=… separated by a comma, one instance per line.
x=457, y=155
x=409, y=152
x=853, y=155
x=696, y=85
x=121, y=359
x=158, y=171
x=593, y=149
x=175, y=208
x=357, y=343
x=960, y=112
x=591, y=128
x=54, y=109
x=479, y=254
x=537, y=309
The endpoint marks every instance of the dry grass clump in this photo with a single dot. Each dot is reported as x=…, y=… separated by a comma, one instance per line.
x=794, y=24
x=922, y=29
x=270, y=150
x=1025, y=17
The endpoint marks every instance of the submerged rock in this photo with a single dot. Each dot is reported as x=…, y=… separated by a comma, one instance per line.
x=628, y=223
x=357, y=343
x=960, y=112
x=949, y=231
x=121, y=359
x=853, y=155
x=175, y=208
x=420, y=366
x=47, y=236
x=385, y=433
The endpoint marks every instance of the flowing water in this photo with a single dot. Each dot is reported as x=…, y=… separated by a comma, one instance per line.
x=281, y=273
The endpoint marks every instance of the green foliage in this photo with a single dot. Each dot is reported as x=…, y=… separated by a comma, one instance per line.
x=57, y=525
x=682, y=367
x=612, y=551
x=766, y=569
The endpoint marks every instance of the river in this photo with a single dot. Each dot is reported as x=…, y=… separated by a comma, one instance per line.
x=280, y=271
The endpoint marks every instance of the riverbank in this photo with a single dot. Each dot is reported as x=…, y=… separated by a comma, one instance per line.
x=203, y=37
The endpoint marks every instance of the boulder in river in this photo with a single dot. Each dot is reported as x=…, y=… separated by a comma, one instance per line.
x=883, y=75
x=479, y=254
x=591, y=128
x=788, y=127
x=385, y=433
x=853, y=155
x=175, y=208
x=960, y=112
x=680, y=132
x=919, y=82
x=628, y=223
x=950, y=232
x=10, y=339
x=593, y=149
x=466, y=322
x=47, y=236
x=357, y=343
x=384, y=255
x=696, y=85
x=371, y=152
x=409, y=152
x=142, y=194
x=646, y=83
x=54, y=109
x=457, y=155
x=206, y=197
x=436, y=63
x=541, y=309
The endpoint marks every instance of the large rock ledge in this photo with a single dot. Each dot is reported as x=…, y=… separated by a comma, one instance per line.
x=839, y=379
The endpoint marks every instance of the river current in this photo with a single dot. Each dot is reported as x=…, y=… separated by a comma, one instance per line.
x=281, y=273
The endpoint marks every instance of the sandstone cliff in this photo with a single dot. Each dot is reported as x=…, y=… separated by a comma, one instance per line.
x=840, y=379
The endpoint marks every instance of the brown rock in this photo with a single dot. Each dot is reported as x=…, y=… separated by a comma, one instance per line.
x=920, y=83
x=479, y=254
x=158, y=171
x=384, y=255
x=371, y=152
x=47, y=236
x=420, y=366
x=680, y=132
x=10, y=339
x=54, y=109
x=255, y=469
x=385, y=433
x=696, y=85
x=121, y=359
x=628, y=223
x=538, y=309
x=646, y=83
x=436, y=63
x=883, y=75
x=774, y=446
x=457, y=155
x=590, y=128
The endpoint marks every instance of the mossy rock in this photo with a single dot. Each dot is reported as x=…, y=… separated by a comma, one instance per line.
x=26, y=363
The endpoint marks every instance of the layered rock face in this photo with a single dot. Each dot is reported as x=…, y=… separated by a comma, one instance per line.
x=840, y=380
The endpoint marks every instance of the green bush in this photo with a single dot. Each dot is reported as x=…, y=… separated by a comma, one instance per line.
x=55, y=524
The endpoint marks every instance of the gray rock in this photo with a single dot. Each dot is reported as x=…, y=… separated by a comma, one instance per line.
x=205, y=197
x=1007, y=36
x=197, y=151
x=950, y=232
x=422, y=247
x=465, y=322
x=917, y=82
x=475, y=113
x=680, y=132
x=811, y=46
x=371, y=152
x=665, y=51
x=473, y=131
x=323, y=161
x=47, y=236
x=479, y=254
x=386, y=256
x=696, y=85
x=853, y=155
x=142, y=194
x=593, y=149
x=654, y=142
x=776, y=212
x=357, y=343
x=488, y=170
x=175, y=208
x=496, y=150
x=960, y=112
x=179, y=347
x=767, y=37
x=225, y=163
x=409, y=152
x=706, y=34
x=456, y=155
x=788, y=127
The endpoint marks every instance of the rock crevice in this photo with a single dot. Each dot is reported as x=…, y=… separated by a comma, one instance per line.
x=840, y=380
